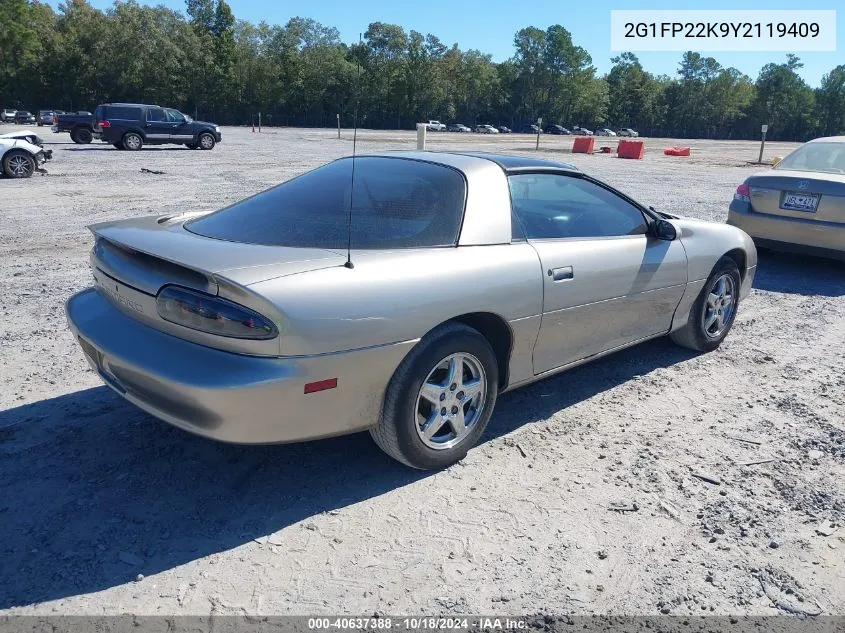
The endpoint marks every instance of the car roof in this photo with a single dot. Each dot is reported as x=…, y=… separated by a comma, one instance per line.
x=507, y=162
x=137, y=105
x=828, y=139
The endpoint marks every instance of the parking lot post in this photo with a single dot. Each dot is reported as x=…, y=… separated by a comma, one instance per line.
x=421, y=128
x=763, y=129
x=539, y=129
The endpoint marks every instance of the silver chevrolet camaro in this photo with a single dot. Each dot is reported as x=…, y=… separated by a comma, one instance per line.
x=468, y=275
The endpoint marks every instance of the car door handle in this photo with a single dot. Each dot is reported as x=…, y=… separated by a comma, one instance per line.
x=561, y=274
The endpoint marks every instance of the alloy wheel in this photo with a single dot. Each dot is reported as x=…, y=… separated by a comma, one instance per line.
x=720, y=306
x=21, y=166
x=450, y=401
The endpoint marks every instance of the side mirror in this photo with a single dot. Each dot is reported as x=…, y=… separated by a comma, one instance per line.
x=663, y=230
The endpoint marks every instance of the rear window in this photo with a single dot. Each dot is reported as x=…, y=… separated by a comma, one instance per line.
x=396, y=203
x=822, y=157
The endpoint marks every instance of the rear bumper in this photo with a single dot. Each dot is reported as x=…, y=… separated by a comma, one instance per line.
x=807, y=235
x=225, y=396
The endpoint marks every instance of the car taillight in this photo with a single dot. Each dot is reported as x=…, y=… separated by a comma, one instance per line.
x=104, y=124
x=207, y=313
x=743, y=193
x=55, y=119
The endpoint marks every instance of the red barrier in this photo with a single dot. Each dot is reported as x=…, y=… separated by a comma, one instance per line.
x=677, y=151
x=630, y=149
x=583, y=145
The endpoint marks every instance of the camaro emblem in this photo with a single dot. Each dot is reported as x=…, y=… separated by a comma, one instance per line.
x=803, y=184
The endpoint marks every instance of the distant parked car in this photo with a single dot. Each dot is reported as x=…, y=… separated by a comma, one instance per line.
x=130, y=125
x=22, y=117
x=557, y=129
x=45, y=117
x=457, y=127
x=486, y=129
x=504, y=129
x=435, y=126
x=530, y=128
x=626, y=131
x=8, y=116
x=605, y=132
x=20, y=158
x=582, y=131
x=79, y=124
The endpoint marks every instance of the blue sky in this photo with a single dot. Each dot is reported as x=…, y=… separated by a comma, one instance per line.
x=489, y=25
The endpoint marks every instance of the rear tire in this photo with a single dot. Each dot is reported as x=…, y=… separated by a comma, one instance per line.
x=18, y=164
x=132, y=141
x=81, y=136
x=714, y=311
x=452, y=369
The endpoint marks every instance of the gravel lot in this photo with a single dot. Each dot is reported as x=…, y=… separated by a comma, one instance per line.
x=581, y=498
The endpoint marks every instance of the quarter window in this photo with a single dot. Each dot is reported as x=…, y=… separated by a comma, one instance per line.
x=554, y=206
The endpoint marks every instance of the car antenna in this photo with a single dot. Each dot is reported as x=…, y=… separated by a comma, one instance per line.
x=349, y=263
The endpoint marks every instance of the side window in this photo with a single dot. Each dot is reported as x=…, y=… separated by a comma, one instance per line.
x=174, y=116
x=553, y=206
x=124, y=114
x=156, y=115
x=517, y=235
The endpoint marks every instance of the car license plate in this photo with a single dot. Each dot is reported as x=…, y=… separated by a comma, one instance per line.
x=800, y=201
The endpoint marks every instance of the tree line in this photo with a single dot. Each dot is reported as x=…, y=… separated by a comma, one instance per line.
x=211, y=65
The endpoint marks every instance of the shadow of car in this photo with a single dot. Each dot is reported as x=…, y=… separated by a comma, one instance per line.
x=88, y=479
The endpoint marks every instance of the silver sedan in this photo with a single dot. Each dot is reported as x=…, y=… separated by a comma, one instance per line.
x=400, y=297
x=799, y=205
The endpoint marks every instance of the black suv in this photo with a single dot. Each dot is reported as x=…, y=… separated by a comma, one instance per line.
x=130, y=125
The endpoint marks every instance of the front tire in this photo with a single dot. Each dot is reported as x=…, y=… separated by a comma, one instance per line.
x=206, y=141
x=18, y=164
x=714, y=311
x=440, y=399
x=132, y=141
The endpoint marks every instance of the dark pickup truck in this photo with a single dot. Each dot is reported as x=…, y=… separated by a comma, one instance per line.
x=79, y=124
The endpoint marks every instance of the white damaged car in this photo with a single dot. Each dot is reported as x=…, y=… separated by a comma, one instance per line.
x=21, y=154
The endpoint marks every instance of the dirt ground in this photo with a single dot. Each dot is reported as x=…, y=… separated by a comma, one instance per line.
x=583, y=497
